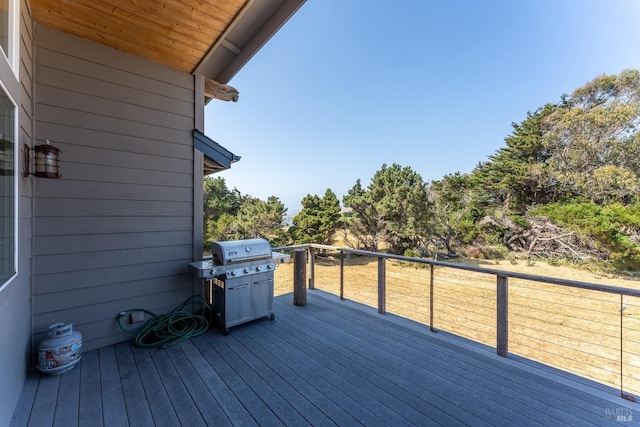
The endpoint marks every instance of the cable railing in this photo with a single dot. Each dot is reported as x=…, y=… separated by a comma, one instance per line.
x=587, y=329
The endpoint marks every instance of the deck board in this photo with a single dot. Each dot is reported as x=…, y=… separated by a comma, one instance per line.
x=68, y=399
x=243, y=392
x=346, y=393
x=328, y=363
x=182, y=402
x=298, y=401
x=24, y=406
x=475, y=385
x=541, y=396
x=225, y=397
x=90, y=405
x=155, y=395
x=414, y=387
x=114, y=410
x=132, y=388
x=206, y=403
x=45, y=397
x=376, y=393
x=283, y=409
x=284, y=360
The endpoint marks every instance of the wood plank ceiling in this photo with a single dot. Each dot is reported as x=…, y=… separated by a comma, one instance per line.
x=176, y=33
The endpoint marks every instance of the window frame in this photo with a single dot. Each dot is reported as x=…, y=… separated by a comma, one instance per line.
x=13, y=44
x=12, y=59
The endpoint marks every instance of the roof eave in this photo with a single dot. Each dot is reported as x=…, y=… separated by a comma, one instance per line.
x=253, y=27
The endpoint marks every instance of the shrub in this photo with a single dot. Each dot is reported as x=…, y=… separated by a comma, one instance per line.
x=615, y=227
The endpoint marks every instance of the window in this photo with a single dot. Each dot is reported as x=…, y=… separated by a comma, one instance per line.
x=9, y=32
x=7, y=189
x=9, y=48
x=4, y=26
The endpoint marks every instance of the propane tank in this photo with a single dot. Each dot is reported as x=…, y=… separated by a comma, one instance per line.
x=61, y=351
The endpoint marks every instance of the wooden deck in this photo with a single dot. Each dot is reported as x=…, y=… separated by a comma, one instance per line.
x=329, y=363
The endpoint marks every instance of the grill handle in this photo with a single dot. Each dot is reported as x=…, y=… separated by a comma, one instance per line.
x=247, y=259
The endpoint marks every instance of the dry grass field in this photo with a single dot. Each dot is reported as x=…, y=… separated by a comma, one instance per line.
x=572, y=329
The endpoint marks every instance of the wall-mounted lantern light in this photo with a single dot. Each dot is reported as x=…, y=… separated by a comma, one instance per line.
x=45, y=160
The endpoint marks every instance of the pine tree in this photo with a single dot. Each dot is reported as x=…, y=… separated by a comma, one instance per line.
x=318, y=220
x=394, y=209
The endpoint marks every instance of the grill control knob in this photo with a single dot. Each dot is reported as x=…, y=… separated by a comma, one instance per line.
x=268, y=266
x=245, y=271
x=232, y=272
x=258, y=267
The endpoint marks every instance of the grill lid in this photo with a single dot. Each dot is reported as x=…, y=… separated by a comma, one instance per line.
x=234, y=251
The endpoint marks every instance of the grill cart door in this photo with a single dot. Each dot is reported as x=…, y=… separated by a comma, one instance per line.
x=242, y=299
x=262, y=294
x=237, y=309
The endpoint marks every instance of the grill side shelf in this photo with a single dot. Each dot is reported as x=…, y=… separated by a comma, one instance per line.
x=206, y=269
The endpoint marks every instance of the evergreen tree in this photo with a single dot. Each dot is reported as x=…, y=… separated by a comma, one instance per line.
x=318, y=220
x=395, y=208
x=455, y=213
x=516, y=176
x=220, y=205
x=364, y=223
x=259, y=219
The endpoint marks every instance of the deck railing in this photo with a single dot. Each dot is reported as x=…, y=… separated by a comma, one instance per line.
x=589, y=329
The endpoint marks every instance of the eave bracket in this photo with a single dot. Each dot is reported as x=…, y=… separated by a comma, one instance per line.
x=213, y=89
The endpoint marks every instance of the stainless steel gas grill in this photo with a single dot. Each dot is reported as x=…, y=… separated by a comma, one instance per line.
x=240, y=280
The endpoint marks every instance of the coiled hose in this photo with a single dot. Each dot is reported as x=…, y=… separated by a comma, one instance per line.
x=168, y=329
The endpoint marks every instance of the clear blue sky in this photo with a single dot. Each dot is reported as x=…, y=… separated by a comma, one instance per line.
x=348, y=85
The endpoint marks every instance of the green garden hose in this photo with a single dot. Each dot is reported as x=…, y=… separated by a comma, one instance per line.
x=167, y=329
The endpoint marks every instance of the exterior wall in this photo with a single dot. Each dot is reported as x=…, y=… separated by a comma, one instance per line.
x=116, y=231
x=15, y=305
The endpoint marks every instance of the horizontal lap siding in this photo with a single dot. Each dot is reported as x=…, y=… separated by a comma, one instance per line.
x=116, y=231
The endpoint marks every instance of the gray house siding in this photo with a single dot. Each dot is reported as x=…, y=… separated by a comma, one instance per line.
x=15, y=302
x=117, y=230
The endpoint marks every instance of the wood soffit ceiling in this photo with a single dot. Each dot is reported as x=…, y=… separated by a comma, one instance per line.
x=177, y=33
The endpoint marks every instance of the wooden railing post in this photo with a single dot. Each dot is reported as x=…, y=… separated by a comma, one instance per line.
x=382, y=285
x=299, y=277
x=431, y=327
x=312, y=267
x=341, y=275
x=502, y=345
